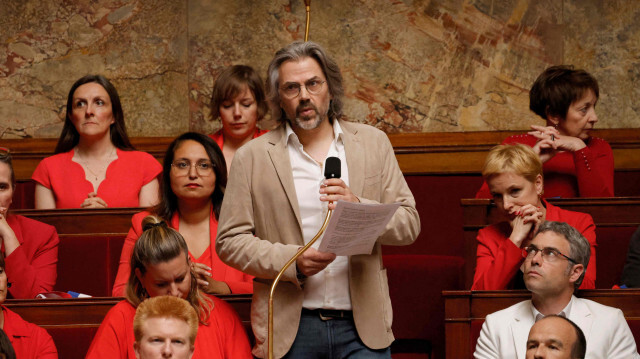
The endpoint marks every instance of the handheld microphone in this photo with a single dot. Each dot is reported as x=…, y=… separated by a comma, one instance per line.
x=332, y=169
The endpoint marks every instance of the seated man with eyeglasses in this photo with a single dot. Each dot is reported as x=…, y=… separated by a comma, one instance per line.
x=554, y=266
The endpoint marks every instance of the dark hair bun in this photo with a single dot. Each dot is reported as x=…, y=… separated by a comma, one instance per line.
x=151, y=222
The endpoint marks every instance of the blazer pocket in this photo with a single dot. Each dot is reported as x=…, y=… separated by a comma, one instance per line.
x=386, y=300
x=371, y=188
x=259, y=309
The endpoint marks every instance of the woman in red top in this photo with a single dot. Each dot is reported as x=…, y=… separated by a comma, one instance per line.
x=194, y=178
x=30, y=247
x=160, y=266
x=575, y=164
x=29, y=341
x=514, y=176
x=238, y=100
x=95, y=165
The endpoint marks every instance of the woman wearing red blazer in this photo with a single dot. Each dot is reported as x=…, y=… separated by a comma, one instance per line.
x=30, y=247
x=514, y=177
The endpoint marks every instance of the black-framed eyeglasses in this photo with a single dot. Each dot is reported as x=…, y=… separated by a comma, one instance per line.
x=291, y=90
x=182, y=167
x=4, y=152
x=548, y=254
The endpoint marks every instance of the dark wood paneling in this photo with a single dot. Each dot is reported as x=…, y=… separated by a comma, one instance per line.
x=91, y=311
x=111, y=221
x=417, y=153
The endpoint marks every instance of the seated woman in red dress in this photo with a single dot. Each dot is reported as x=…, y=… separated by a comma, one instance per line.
x=238, y=100
x=29, y=341
x=194, y=179
x=575, y=164
x=514, y=176
x=95, y=165
x=30, y=247
x=160, y=266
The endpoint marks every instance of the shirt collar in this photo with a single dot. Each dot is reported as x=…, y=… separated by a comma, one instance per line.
x=563, y=313
x=292, y=138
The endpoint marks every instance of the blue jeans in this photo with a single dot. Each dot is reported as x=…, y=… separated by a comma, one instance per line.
x=330, y=339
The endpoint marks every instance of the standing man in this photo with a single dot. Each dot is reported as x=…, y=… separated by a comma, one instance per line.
x=276, y=200
x=554, y=266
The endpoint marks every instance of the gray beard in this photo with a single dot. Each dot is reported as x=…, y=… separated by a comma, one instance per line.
x=308, y=123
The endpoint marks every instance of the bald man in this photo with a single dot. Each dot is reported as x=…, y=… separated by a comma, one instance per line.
x=556, y=337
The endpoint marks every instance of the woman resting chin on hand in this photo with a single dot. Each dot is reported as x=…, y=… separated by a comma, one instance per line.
x=514, y=176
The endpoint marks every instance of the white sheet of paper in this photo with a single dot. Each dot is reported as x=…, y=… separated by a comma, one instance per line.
x=354, y=227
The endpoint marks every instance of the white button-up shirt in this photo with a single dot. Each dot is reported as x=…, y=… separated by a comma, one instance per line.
x=328, y=289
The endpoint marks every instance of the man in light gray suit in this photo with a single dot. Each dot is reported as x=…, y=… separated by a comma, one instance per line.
x=556, y=260
x=276, y=199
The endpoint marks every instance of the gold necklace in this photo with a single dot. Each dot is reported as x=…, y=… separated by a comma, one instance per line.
x=86, y=165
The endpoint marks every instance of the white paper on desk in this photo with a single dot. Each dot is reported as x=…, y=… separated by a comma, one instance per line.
x=354, y=227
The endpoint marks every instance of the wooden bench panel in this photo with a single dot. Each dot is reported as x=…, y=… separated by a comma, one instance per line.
x=114, y=221
x=73, y=322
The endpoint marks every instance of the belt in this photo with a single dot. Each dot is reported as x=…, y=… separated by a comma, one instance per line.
x=328, y=314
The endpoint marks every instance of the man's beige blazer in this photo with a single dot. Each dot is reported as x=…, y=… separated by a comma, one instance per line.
x=260, y=230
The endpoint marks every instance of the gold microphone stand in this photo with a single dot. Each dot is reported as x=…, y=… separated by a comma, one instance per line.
x=307, y=5
x=287, y=265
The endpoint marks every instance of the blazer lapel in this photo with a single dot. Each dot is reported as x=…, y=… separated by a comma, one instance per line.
x=581, y=315
x=520, y=326
x=355, y=158
x=280, y=159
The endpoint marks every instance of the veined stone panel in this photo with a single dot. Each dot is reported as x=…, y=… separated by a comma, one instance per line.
x=604, y=38
x=408, y=65
x=141, y=46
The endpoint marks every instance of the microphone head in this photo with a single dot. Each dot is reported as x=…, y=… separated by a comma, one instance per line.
x=332, y=168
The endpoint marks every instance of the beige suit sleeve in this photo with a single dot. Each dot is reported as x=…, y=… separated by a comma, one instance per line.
x=404, y=227
x=237, y=244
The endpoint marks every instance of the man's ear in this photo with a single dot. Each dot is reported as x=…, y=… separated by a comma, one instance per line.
x=576, y=272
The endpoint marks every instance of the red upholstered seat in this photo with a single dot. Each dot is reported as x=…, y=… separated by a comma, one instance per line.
x=416, y=283
x=72, y=342
x=611, y=254
x=88, y=263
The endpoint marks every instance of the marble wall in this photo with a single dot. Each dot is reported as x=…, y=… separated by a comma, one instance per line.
x=409, y=65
